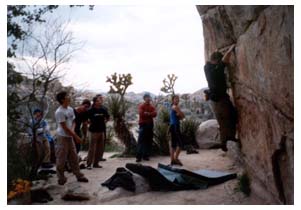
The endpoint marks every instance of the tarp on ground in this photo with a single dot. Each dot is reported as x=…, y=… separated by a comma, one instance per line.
x=200, y=179
x=170, y=178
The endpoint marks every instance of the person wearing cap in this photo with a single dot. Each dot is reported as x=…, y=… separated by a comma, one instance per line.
x=41, y=130
x=98, y=116
x=146, y=114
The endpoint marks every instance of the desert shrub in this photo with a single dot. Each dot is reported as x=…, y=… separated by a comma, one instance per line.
x=188, y=128
x=161, y=137
x=244, y=184
x=161, y=132
x=118, y=107
x=19, y=160
x=111, y=145
x=163, y=115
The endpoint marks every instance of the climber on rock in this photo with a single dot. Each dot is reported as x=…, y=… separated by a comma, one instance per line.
x=220, y=101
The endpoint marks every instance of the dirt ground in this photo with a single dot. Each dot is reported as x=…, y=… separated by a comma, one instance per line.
x=206, y=159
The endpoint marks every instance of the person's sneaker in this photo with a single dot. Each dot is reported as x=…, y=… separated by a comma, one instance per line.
x=89, y=167
x=82, y=179
x=62, y=181
x=47, y=165
x=178, y=162
x=146, y=158
x=97, y=166
x=138, y=160
x=102, y=159
x=173, y=162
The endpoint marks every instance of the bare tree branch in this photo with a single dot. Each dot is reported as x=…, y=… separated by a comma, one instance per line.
x=44, y=54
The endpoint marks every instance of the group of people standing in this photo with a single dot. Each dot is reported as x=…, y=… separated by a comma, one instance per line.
x=73, y=124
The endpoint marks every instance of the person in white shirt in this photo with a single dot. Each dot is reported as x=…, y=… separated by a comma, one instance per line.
x=65, y=147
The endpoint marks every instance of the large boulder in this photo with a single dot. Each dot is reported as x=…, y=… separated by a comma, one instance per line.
x=207, y=135
x=261, y=72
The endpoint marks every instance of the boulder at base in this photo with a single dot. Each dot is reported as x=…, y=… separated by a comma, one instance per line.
x=207, y=135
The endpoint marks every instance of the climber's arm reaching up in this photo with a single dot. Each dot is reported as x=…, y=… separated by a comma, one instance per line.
x=226, y=58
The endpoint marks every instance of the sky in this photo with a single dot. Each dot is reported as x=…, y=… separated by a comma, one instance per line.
x=147, y=41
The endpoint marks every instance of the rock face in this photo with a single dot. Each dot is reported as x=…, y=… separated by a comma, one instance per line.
x=207, y=135
x=262, y=84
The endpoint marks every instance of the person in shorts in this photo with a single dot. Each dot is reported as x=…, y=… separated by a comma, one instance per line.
x=176, y=138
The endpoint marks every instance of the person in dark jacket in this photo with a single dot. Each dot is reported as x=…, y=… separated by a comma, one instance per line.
x=220, y=101
x=98, y=116
x=81, y=122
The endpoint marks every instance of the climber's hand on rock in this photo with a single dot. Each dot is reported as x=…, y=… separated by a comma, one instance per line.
x=232, y=47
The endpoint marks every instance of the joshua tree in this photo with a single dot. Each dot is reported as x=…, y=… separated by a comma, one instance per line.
x=120, y=83
x=169, y=84
x=118, y=107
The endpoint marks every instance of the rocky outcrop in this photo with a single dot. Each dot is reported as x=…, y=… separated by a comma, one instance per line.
x=262, y=77
x=207, y=135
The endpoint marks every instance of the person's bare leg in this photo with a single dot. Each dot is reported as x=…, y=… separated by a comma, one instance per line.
x=178, y=150
x=172, y=151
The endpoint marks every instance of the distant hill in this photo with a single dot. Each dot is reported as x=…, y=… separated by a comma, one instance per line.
x=198, y=95
x=137, y=97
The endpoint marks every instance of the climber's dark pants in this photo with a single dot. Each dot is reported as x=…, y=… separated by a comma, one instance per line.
x=226, y=116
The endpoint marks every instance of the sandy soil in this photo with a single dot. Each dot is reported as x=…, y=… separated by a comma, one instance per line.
x=206, y=159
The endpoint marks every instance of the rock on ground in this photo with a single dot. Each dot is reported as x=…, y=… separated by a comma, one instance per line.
x=207, y=135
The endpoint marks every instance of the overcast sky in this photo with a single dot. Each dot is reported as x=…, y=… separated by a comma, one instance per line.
x=147, y=41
